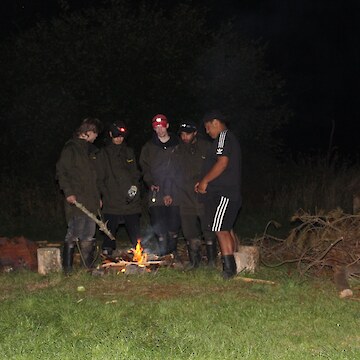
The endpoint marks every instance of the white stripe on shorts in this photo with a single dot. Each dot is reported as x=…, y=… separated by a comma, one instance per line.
x=220, y=213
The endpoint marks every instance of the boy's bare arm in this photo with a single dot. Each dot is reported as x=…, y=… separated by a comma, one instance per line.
x=218, y=168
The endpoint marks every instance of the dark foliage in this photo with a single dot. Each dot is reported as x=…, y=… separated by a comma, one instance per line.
x=127, y=62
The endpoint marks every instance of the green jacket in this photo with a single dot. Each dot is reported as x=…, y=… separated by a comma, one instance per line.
x=117, y=172
x=190, y=159
x=76, y=174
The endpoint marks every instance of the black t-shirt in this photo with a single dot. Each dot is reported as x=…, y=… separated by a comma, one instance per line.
x=229, y=182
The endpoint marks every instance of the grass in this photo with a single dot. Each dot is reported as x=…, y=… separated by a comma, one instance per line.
x=175, y=315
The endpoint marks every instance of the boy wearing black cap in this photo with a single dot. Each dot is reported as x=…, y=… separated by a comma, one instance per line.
x=192, y=153
x=220, y=184
x=118, y=178
x=157, y=161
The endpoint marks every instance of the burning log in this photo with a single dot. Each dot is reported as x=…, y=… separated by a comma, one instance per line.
x=122, y=263
x=139, y=262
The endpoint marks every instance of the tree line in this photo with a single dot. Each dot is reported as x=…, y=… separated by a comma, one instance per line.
x=129, y=62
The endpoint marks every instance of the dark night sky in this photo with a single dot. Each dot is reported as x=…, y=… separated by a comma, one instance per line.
x=314, y=45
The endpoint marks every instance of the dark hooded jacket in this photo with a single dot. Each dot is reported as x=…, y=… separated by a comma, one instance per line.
x=76, y=174
x=157, y=161
x=190, y=159
x=117, y=172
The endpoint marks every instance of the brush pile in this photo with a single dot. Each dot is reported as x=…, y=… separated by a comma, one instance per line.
x=318, y=243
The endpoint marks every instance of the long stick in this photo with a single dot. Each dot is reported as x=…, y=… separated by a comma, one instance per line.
x=257, y=281
x=101, y=224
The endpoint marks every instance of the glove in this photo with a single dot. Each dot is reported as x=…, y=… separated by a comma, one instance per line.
x=131, y=193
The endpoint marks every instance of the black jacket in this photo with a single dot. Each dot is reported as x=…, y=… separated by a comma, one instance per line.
x=157, y=161
x=76, y=174
x=190, y=159
x=117, y=172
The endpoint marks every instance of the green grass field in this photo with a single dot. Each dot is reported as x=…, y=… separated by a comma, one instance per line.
x=174, y=314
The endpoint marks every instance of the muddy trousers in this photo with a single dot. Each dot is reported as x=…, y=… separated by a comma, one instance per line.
x=81, y=229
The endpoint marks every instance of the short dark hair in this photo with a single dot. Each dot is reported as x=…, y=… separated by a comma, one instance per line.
x=89, y=124
x=214, y=114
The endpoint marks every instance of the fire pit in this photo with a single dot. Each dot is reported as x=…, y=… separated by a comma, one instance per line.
x=135, y=261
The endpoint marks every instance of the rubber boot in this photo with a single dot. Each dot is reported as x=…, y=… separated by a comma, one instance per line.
x=107, y=252
x=211, y=252
x=172, y=242
x=87, y=248
x=229, y=266
x=194, y=247
x=68, y=257
x=172, y=245
x=162, y=242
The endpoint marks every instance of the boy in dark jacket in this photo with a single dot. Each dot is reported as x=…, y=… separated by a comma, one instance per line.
x=118, y=179
x=191, y=155
x=76, y=174
x=157, y=161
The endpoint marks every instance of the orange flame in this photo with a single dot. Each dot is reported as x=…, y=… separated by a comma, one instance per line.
x=138, y=253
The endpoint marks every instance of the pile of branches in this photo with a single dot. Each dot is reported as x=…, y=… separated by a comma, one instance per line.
x=318, y=242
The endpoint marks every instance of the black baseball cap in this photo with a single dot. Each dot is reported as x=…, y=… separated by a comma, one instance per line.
x=188, y=127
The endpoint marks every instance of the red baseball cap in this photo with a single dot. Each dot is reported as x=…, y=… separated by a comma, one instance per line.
x=159, y=119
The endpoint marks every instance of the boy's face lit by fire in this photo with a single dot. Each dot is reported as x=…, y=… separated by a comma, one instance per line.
x=161, y=131
x=188, y=138
x=90, y=136
x=117, y=140
x=213, y=128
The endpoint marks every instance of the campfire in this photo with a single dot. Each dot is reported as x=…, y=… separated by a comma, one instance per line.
x=138, y=262
x=135, y=261
x=139, y=256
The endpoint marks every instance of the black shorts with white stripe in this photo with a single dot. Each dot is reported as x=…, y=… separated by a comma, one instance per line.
x=221, y=212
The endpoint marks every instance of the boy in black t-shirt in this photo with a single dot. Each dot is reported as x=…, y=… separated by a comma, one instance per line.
x=220, y=185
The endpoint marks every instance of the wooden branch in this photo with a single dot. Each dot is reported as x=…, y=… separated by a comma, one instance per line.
x=256, y=281
x=322, y=255
x=281, y=263
x=122, y=263
x=101, y=224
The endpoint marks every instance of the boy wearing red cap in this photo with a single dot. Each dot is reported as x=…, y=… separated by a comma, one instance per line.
x=157, y=161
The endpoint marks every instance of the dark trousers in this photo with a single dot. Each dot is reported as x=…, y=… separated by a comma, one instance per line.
x=80, y=227
x=132, y=226
x=195, y=227
x=165, y=219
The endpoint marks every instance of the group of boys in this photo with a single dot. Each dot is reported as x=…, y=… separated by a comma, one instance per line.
x=194, y=185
